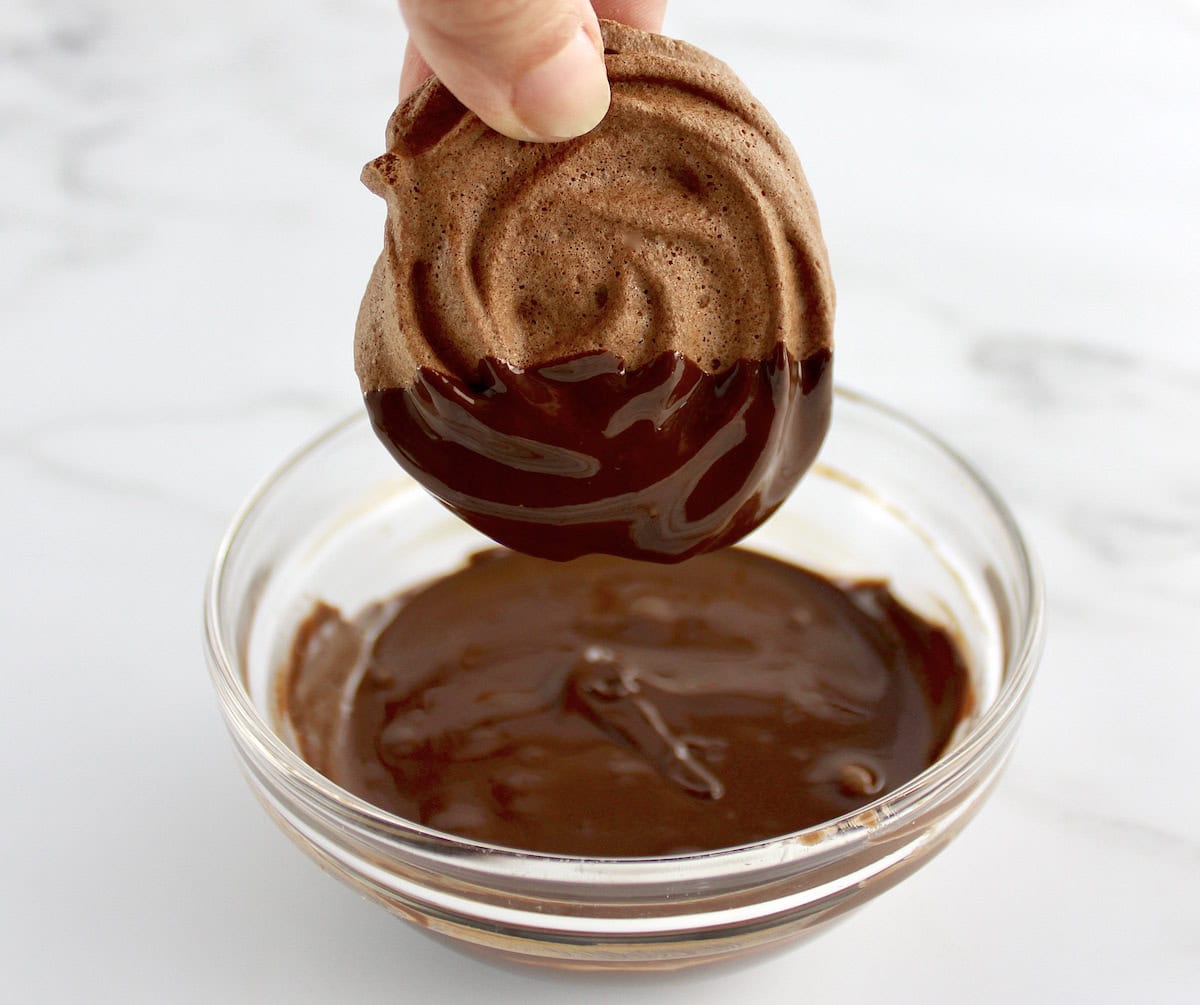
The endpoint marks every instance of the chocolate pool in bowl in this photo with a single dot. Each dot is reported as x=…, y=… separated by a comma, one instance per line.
x=624, y=709
x=339, y=524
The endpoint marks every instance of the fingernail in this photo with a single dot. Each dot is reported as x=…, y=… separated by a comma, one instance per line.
x=567, y=95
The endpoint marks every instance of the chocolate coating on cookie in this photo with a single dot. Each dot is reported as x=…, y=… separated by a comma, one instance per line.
x=682, y=223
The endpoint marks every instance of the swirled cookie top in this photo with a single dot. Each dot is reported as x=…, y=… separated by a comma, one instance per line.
x=682, y=222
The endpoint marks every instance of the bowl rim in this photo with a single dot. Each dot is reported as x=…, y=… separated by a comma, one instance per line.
x=1020, y=666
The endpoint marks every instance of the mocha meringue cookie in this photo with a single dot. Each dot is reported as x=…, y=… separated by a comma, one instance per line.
x=620, y=343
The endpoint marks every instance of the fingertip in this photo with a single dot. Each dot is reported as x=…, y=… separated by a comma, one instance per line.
x=646, y=15
x=566, y=95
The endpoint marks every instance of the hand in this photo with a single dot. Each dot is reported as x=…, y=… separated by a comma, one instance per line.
x=532, y=69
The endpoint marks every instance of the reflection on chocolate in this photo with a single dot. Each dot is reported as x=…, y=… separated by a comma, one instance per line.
x=582, y=455
x=612, y=708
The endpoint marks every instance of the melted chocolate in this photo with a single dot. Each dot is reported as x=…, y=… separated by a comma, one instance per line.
x=581, y=455
x=613, y=708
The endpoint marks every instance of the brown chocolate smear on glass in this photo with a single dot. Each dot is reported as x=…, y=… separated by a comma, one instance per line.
x=668, y=265
x=612, y=708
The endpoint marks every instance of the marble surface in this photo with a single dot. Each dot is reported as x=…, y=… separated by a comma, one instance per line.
x=1011, y=194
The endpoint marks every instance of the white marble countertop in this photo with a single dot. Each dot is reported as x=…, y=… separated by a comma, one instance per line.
x=1011, y=195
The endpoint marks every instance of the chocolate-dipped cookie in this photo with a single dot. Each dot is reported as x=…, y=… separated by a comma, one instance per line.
x=620, y=343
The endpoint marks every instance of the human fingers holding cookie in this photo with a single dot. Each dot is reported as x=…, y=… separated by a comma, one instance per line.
x=531, y=69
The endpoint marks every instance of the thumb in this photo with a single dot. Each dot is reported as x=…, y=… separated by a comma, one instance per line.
x=532, y=69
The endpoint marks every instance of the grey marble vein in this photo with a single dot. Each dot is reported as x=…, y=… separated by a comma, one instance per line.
x=1183, y=848
x=83, y=479
x=140, y=453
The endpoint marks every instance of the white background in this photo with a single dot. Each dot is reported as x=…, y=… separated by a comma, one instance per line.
x=1010, y=196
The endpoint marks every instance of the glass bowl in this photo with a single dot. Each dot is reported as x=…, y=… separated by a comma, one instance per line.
x=340, y=522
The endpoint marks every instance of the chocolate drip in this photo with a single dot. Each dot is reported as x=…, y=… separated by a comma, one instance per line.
x=582, y=455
